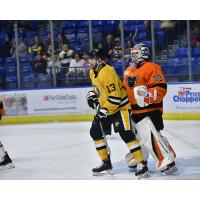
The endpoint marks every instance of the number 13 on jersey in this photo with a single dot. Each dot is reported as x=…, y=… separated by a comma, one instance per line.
x=111, y=88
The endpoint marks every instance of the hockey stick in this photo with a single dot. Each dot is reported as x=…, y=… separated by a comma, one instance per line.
x=103, y=133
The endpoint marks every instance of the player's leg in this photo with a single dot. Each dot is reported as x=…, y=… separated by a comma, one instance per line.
x=108, y=132
x=158, y=147
x=122, y=124
x=101, y=148
x=157, y=120
x=131, y=162
x=5, y=161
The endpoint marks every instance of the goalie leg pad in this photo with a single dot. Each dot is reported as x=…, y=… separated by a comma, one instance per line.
x=157, y=146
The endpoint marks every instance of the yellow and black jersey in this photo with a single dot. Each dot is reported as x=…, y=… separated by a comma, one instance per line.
x=110, y=90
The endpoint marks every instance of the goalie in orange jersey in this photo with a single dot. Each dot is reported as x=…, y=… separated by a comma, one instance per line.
x=5, y=161
x=146, y=87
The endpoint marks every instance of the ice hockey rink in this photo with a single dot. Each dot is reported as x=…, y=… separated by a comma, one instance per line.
x=65, y=151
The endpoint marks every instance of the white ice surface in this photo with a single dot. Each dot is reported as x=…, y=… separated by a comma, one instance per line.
x=66, y=151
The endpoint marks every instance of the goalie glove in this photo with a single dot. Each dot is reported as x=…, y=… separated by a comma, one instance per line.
x=144, y=96
x=92, y=99
x=101, y=114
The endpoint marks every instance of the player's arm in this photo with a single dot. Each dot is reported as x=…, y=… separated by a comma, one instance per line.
x=155, y=90
x=157, y=83
x=38, y=49
x=91, y=97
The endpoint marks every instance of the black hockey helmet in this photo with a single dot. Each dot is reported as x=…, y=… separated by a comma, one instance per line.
x=97, y=54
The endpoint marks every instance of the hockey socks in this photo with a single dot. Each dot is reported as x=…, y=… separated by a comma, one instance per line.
x=101, y=148
x=135, y=150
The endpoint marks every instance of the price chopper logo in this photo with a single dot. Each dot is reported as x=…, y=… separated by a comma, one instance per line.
x=186, y=95
x=59, y=97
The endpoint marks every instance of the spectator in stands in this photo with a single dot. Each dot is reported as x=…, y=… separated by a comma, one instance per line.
x=116, y=52
x=109, y=45
x=40, y=64
x=5, y=48
x=50, y=64
x=130, y=44
x=169, y=27
x=61, y=41
x=167, y=24
x=100, y=45
x=49, y=50
x=85, y=56
x=65, y=57
x=47, y=42
x=23, y=49
x=195, y=37
x=37, y=47
x=127, y=52
x=77, y=69
x=77, y=63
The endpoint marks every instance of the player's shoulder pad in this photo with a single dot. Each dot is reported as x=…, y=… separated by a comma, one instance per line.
x=107, y=69
x=127, y=71
x=153, y=66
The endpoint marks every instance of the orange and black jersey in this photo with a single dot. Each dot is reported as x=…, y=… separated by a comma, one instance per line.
x=151, y=76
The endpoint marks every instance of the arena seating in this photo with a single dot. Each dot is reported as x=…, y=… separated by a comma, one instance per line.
x=77, y=33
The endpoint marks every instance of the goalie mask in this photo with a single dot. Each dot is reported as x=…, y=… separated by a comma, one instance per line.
x=97, y=59
x=139, y=53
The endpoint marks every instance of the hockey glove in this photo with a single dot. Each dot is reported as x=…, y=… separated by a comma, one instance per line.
x=101, y=114
x=144, y=96
x=92, y=99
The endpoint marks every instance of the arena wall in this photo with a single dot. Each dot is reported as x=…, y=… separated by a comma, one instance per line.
x=182, y=102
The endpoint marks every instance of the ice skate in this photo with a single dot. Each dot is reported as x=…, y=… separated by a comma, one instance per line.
x=104, y=169
x=6, y=162
x=142, y=171
x=169, y=169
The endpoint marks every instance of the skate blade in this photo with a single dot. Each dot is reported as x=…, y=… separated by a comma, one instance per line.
x=171, y=171
x=107, y=172
x=144, y=176
x=132, y=169
x=8, y=166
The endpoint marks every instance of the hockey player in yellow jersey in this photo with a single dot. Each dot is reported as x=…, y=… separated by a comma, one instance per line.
x=110, y=99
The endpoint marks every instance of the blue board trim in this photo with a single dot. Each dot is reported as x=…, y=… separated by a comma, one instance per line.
x=88, y=86
x=67, y=87
x=179, y=83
